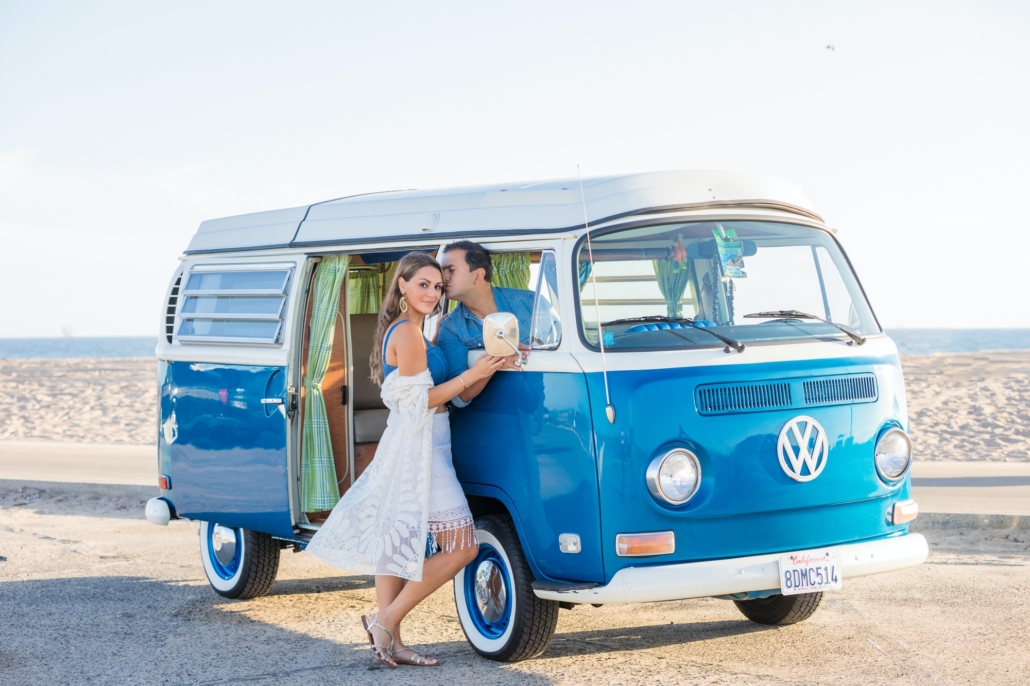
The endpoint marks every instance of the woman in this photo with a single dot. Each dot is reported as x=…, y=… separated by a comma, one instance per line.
x=406, y=519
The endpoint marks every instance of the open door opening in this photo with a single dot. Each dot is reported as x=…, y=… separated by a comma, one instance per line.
x=354, y=408
x=335, y=393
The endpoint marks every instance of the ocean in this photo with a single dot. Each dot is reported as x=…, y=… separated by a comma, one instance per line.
x=929, y=341
x=910, y=342
x=122, y=346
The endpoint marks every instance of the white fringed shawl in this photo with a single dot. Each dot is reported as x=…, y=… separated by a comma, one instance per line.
x=380, y=525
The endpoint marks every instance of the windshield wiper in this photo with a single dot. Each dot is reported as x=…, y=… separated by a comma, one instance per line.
x=730, y=342
x=794, y=314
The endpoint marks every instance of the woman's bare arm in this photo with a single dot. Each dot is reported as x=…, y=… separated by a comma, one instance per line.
x=410, y=349
x=476, y=388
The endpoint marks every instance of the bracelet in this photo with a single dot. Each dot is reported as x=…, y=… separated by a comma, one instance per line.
x=462, y=382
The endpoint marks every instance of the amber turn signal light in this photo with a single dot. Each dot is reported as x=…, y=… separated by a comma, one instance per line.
x=643, y=545
x=164, y=482
x=904, y=511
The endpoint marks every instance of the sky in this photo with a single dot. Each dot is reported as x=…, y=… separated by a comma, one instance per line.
x=123, y=125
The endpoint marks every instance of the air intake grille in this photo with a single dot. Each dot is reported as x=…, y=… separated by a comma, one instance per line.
x=842, y=389
x=743, y=397
x=173, y=301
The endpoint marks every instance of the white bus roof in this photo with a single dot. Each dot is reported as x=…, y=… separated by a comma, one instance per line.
x=501, y=209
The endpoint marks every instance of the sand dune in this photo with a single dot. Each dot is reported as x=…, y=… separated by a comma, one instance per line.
x=961, y=406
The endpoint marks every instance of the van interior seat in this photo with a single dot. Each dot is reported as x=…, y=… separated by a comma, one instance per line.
x=369, y=411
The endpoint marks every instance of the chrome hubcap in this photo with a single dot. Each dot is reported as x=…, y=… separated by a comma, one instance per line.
x=223, y=540
x=490, y=594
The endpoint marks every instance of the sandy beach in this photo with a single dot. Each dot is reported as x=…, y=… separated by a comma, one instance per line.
x=99, y=400
x=970, y=406
x=962, y=406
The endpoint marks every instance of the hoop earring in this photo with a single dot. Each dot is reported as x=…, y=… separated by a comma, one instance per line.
x=404, y=304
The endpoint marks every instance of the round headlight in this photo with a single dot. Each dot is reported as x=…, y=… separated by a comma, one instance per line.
x=893, y=454
x=674, y=477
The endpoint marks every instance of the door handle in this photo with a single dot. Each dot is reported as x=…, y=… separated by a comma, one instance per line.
x=278, y=402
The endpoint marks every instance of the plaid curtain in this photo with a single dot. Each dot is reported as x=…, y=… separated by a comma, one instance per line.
x=511, y=270
x=319, y=488
x=672, y=282
x=365, y=291
x=584, y=274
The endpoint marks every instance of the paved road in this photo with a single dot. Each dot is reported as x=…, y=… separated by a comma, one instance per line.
x=92, y=594
x=972, y=487
x=78, y=462
x=957, y=487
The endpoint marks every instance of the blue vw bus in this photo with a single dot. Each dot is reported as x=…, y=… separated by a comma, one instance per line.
x=710, y=407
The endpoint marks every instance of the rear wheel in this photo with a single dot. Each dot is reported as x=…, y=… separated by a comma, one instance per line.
x=239, y=563
x=780, y=609
x=502, y=618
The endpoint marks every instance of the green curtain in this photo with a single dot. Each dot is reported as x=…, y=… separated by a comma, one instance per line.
x=319, y=489
x=672, y=282
x=511, y=270
x=584, y=274
x=365, y=291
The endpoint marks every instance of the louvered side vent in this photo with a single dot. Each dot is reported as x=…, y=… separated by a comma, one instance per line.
x=842, y=389
x=743, y=398
x=173, y=301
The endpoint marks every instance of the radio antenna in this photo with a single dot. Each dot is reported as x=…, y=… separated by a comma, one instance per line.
x=609, y=409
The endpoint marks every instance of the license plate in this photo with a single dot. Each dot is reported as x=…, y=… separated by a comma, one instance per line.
x=810, y=572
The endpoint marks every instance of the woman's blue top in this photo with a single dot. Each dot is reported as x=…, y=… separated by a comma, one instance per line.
x=438, y=368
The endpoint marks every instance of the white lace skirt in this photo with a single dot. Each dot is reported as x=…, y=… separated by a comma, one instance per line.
x=450, y=521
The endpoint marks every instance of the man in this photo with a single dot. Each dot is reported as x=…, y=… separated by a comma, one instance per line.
x=468, y=273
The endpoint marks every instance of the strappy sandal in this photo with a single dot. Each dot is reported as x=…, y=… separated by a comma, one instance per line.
x=417, y=659
x=381, y=653
x=364, y=625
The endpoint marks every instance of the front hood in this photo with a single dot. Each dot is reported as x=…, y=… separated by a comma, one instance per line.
x=731, y=416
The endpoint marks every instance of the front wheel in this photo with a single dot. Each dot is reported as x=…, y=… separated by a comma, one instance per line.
x=502, y=618
x=780, y=609
x=239, y=563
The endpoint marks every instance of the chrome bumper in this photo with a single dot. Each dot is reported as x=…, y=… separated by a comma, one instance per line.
x=740, y=575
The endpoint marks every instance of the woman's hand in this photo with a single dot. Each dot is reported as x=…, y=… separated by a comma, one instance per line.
x=470, y=381
x=485, y=367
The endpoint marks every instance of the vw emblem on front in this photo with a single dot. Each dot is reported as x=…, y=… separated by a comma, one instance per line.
x=802, y=449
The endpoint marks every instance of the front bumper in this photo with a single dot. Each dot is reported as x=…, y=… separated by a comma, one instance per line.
x=739, y=575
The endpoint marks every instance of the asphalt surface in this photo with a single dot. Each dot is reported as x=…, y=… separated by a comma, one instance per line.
x=972, y=487
x=91, y=593
x=78, y=462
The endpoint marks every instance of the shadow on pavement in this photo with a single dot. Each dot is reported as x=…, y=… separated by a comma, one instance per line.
x=969, y=481
x=642, y=637
x=321, y=585
x=55, y=501
x=129, y=629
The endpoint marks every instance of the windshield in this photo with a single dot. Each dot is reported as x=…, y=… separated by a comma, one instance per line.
x=716, y=273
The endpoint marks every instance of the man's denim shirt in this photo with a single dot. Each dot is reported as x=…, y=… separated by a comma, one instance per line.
x=460, y=331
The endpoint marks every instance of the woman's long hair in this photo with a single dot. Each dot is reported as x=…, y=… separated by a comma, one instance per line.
x=391, y=308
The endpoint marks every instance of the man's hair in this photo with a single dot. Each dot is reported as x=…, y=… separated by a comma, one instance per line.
x=476, y=257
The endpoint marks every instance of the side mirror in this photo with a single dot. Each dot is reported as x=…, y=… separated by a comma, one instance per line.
x=501, y=334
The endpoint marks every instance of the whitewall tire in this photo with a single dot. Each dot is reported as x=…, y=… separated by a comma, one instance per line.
x=502, y=618
x=239, y=563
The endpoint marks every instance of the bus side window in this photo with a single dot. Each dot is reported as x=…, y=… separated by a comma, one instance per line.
x=546, y=330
